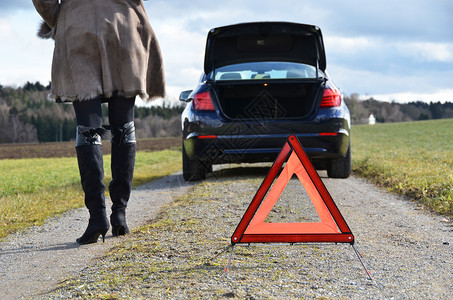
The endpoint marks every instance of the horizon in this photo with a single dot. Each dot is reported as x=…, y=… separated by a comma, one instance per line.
x=176, y=102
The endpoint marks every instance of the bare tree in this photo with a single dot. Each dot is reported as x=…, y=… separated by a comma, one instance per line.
x=155, y=126
x=15, y=131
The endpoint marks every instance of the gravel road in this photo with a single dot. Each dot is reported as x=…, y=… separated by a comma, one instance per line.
x=408, y=250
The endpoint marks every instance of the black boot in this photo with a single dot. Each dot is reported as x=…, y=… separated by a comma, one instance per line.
x=123, y=161
x=91, y=167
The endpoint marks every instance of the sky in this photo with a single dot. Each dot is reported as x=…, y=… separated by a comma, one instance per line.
x=392, y=50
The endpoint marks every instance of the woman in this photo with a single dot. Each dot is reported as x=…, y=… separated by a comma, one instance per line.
x=105, y=51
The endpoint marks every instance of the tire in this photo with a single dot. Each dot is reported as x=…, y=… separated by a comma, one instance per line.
x=192, y=169
x=340, y=167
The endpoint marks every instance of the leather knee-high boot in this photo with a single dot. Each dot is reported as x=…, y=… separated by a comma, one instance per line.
x=91, y=167
x=123, y=161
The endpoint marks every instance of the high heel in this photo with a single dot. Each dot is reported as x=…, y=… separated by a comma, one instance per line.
x=118, y=230
x=119, y=226
x=93, y=231
x=91, y=238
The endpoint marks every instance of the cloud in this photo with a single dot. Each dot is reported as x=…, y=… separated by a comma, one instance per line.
x=204, y=15
x=6, y=30
x=386, y=47
x=403, y=19
x=431, y=52
x=393, y=20
x=365, y=82
x=382, y=47
x=442, y=95
x=6, y=6
x=183, y=54
x=23, y=56
x=348, y=45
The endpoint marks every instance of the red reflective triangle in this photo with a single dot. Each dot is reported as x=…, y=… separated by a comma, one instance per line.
x=253, y=229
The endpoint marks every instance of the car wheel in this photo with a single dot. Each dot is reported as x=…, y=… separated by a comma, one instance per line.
x=192, y=169
x=340, y=167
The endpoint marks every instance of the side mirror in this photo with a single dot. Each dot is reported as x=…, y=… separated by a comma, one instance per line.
x=184, y=96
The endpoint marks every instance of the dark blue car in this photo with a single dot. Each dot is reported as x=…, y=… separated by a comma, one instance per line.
x=263, y=82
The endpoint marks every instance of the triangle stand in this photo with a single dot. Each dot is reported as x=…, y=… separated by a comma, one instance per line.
x=227, y=268
x=253, y=229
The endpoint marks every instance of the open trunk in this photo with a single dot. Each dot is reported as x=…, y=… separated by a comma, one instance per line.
x=269, y=101
x=264, y=41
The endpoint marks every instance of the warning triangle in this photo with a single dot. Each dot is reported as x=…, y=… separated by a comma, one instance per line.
x=253, y=228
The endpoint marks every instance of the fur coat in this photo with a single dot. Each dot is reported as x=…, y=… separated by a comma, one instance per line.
x=102, y=48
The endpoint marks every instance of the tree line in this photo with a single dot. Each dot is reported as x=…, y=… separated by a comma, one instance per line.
x=28, y=116
x=386, y=112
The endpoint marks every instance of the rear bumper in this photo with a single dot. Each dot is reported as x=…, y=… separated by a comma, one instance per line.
x=218, y=149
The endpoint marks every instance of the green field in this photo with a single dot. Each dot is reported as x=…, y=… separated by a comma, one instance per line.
x=413, y=159
x=32, y=190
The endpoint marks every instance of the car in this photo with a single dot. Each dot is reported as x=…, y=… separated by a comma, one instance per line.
x=261, y=83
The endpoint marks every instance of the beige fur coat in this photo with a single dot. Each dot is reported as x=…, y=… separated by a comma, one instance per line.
x=102, y=47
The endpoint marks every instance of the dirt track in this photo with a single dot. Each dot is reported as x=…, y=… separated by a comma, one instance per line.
x=67, y=149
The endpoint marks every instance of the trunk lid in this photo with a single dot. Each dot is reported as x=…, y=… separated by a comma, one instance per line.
x=264, y=41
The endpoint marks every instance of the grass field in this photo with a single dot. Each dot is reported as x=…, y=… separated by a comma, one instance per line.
x=413, y=159
x=32, y=190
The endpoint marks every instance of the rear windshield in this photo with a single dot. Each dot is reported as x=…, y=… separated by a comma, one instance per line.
x=264, y=70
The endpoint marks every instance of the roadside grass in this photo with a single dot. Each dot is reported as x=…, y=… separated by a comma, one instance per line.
x=33, y=190
x=414, y=159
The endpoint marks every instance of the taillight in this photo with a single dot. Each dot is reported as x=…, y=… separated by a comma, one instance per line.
x=328, y=134
x=203, y=101
x=331, y=98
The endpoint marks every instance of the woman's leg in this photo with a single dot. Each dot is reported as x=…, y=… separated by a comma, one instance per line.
x=121, y=118
x=88, y=113
x=91, y=167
